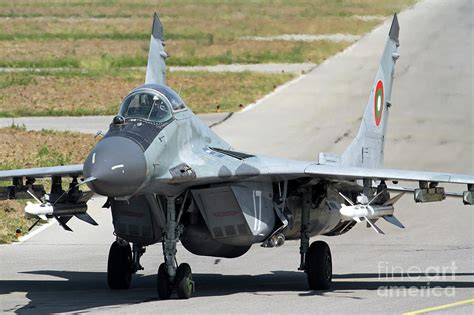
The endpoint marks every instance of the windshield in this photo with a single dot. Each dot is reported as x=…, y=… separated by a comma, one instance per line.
x=146, y=105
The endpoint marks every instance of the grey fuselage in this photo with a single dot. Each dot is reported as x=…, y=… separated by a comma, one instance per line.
x=228, y=203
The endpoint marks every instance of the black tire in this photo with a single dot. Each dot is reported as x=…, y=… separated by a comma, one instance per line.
x=319, y=266
x=164, y=286
x=184, y=281
x=119, y=267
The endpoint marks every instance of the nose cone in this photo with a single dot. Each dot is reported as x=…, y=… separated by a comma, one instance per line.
x=119, y=166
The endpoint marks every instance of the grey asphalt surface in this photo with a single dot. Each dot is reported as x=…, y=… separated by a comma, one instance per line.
x=297, y=68
x=85, y=124
x=430, y=128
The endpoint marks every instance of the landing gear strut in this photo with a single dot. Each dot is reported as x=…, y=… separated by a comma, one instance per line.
x=316, y=259
x=170, y=275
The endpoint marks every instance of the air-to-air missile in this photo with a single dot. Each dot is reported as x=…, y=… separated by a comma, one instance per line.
x=366, y=211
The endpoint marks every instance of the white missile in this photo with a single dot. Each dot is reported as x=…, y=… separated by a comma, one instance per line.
x=39, y=209
x=366, y=211
x=371, y=213
x=62, y=212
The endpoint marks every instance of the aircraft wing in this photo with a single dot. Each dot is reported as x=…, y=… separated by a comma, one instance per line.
x=231, y=166
x=353, y=173
x=253, y=167
x=63, y=171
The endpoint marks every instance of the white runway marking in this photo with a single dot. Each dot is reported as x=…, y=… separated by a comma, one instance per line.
x=34, y=232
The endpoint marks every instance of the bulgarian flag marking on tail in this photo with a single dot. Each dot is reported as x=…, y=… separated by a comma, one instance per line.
x=378, y=102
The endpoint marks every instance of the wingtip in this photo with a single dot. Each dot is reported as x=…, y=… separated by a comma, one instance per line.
x=157, y=28
x=395, y=28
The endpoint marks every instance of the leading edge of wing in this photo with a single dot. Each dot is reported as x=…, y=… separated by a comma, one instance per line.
x=65, y=170
x=353, y=173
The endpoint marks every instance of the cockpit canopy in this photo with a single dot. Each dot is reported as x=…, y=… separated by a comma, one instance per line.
x=152, y=102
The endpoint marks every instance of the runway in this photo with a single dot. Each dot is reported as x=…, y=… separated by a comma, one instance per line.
x=428, y=264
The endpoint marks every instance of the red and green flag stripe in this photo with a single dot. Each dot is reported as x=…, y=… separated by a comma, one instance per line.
x=378, y=102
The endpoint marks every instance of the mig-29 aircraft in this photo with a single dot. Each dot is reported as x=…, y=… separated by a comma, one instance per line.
x=169, y=178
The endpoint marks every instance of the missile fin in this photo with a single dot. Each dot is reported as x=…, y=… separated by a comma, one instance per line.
x=392, y=201
x=63, y=220
x=32, y=194
x=392, y=219
x=373, y=221
x=346, y=199
x=85, y=197
x=86, y=218
x=372, y=224
x=375, y=197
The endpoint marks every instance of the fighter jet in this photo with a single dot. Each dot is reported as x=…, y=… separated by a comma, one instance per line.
x=169, y=178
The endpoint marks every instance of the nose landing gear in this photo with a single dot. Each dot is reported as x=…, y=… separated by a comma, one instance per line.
x=170, y=275
x=119, y=266
x=122, y=263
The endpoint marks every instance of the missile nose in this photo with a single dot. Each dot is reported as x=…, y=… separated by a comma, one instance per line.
x=119, y=166
x=344, y=210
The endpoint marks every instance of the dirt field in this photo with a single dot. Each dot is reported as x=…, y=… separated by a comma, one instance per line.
x=24, y=94
x=34, y=149
x=22, y=148
x=103, y=36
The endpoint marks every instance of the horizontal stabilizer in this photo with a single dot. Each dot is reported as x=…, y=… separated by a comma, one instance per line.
x=86, y=218
x=372, y=224
x=392, y=219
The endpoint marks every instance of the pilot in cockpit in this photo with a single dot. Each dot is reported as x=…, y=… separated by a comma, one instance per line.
x=160, y=111
x=146, y=105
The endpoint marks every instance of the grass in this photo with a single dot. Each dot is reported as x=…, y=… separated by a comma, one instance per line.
x=184, y=53
x=190, y=10
x=12, y=217
x=34, y=149
x=66, y=93
x=92, y=42
x=46, y=33
x=41, y=149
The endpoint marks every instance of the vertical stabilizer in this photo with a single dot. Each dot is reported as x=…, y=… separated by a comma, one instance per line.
x=366, y=150
x=156, y=67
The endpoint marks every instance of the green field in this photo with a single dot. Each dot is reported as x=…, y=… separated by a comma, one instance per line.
x=66, y=33
x=75, y=93
x=95, y=43
x=35, y=149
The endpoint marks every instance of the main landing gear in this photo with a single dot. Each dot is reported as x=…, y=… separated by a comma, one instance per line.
x=170, y=275
x=316, y=259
